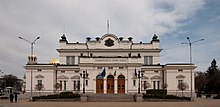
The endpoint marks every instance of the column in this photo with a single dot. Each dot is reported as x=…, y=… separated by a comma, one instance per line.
x=115, y=86
x=126, y=86
x=94, y=85
x=105, y=86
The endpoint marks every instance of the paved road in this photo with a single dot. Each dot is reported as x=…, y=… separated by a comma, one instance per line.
x=196, y=103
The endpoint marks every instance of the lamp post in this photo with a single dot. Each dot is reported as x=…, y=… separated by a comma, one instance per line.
x=190, y=58
x=84, y=75
x=32, y=52
x=139, y=76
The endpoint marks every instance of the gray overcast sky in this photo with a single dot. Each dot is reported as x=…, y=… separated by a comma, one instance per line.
x=171, y=20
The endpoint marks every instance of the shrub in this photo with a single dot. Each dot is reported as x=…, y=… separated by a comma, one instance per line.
x=66, y=93
x=63, y=95
x=154, y=96
x=56, y=96
x=198, y=95
x=208, y=96
x=217, y=97
x=156, y=92
x=147, y=96
x=3, y=97
x=69, y=95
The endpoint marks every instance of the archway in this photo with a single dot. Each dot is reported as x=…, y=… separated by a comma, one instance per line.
x=121, y=84
x=99, y=84
x=110, y=84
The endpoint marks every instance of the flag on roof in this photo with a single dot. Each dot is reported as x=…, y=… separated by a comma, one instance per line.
x=115, y=73
x=103, y=73
x=135, y=73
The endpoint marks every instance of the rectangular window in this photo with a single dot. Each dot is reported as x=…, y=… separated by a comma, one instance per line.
x=78, y=60
x=158, y=85
x=73, y=60
x=86, y=82
x=145, y=85
x=39, y=81
x=76, y=71
x=121, y=67
x=180, y=82
x=99, y=67
x=145, y=60
x=64, y=85
x=154, y=84
x=78, y=85
x=139, y=55
x=39, y=70
x=61, y=85
x=180, y=70
x=155, y=71
x=110, y=67
x=62, y=71
x=148, y=60
x=134, y=82
x=68, y=60
x=74, y=85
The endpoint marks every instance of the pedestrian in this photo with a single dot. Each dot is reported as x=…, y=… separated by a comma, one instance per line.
x=16, y=97
x=11, y=98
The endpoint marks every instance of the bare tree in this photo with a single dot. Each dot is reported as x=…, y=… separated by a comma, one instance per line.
x=182, y=86
x=146, y=85
x=39, y=87
x=164, y=86
x=57, y=86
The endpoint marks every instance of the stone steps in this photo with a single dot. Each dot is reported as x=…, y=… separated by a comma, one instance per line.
x=111, y=98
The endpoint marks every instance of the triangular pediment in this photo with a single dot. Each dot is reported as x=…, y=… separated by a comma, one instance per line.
x=134, y=77
x=155, y=77
x=39, y=76
x=63, y=77
x=75, y=77
x=145, y=77
x=180, y=76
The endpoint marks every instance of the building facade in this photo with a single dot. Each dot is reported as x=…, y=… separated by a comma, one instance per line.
x=110, y=64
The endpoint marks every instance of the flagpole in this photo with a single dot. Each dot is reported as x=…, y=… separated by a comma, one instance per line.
x=107, y=26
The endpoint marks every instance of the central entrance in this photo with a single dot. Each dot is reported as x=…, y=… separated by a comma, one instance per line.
x=110, y=84
x=121, y=84
x=99, y=84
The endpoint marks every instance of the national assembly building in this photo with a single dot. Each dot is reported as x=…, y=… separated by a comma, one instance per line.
x=108, y=65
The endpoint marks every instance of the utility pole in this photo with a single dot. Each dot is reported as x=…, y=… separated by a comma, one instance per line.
x=190, y=58
x=31, y=62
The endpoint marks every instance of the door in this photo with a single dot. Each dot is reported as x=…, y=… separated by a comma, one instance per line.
x=99, y=84
x=110, y=84
x=121, y=84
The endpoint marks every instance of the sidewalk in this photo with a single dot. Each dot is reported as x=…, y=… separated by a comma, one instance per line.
x=195, y=103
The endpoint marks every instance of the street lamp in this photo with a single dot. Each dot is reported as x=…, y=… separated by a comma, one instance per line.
x=1, y=72
x=190, y=58
x=84, y=75
x=139, y=76
x=31, y=62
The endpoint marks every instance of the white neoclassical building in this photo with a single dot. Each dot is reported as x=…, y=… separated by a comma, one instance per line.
x=112, y=65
